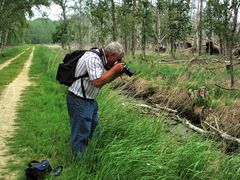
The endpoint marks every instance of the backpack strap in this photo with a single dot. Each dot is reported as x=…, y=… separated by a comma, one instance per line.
x=101, y=55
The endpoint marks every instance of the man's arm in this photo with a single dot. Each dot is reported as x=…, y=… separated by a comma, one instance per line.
x=108, y=76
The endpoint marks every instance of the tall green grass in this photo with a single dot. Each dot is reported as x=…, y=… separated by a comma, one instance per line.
x=189, y=76
x=130, y=145
x=11, y=71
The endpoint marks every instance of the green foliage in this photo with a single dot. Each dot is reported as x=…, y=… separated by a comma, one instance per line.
x=100, y=17
x=14, y=21
x=40, y=31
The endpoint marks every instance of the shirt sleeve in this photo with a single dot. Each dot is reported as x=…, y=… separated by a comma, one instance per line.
x=94, y=67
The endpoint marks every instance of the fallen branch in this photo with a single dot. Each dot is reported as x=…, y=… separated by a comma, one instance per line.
x=166, y=109
x=187, y=123
x=174, y=62
x=147, y=106
x=176, y=117
x=228, y=89
x=224, y=135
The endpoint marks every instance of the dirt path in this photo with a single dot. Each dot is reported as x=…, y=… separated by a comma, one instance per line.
x=9, y=101
x=9, y=61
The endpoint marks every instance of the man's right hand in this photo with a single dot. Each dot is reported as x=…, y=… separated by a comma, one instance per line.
x=118, y=68
x=110, y=75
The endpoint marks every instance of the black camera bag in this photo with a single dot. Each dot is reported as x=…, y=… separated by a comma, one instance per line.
x=37, y=170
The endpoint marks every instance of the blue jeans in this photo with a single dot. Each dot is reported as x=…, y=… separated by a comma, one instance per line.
x=83, y=115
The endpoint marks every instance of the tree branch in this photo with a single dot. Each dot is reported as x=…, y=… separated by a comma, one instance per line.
x=229, y=89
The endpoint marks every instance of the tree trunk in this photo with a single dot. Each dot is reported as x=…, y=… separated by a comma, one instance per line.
x=200, y=29
x=102, y=40
x=235, y=5
x=114, y=34
x=2, y=5
x=157, y=33
x=80, y=25
x=144, y=29
x=133, y=48
x=173, y=49
x=125, y=30
x=1, y=39
x=5, y=38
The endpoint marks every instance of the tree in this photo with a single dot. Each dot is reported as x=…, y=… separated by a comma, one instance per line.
x=146, y=14
x=225, y=27
x=178, y=22
x=200, y=28
x=65, y=36
x=114, y=24
x=100, y=20
x=14, y=19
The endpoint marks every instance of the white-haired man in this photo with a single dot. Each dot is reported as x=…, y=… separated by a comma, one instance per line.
x=81, y=98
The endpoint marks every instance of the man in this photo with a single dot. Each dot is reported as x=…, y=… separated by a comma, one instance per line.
x=81, y=98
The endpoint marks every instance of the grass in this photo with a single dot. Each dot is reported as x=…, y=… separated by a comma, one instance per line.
x=130, y=145
x=12, y=52
x=187, y=75
x=10, y=72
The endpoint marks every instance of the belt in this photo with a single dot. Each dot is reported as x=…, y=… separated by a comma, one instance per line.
x=79, y=97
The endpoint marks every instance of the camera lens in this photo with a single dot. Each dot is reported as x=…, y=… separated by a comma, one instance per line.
x=128, y=71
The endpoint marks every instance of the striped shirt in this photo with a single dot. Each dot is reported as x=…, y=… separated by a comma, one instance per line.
x=92, y=64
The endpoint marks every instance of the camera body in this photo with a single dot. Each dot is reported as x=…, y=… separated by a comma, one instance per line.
x=127, y=71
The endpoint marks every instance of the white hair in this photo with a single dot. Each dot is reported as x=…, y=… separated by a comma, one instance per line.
x=114, y=47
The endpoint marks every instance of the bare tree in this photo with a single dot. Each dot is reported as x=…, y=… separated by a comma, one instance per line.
x=114, y=24
x=133, y=48
x=200, y=28
x=65, y=35
x=144, y=28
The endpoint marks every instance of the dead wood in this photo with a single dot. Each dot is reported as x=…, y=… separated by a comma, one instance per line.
x=172, y=113
x=174, y=62
x=224, y=135
x=228, y=89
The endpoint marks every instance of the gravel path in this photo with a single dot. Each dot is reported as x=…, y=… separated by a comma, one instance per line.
x=9, y=102
x=5, y=64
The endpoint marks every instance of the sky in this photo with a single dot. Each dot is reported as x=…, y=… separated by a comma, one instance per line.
x=53, y=12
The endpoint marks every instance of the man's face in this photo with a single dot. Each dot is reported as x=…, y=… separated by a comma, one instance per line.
x=114, y=58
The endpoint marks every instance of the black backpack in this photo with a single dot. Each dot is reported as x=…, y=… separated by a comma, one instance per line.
x=66, y=70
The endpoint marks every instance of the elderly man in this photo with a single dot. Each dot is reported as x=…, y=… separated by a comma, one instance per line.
x=81, y=98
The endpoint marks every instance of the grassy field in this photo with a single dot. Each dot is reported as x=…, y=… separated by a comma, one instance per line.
x=130, y=145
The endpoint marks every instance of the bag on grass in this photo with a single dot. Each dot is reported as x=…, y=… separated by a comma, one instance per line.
x=66, y=70
x=37, y=170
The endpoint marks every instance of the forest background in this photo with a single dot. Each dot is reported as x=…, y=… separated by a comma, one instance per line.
x=138, y=24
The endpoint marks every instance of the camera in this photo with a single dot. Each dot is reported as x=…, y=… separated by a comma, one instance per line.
x=127, y=71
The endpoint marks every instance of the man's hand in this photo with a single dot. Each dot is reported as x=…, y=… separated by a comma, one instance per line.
x=117, y=68
x=110, y=75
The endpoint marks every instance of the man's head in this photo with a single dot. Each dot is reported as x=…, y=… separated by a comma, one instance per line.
x=114, y=53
